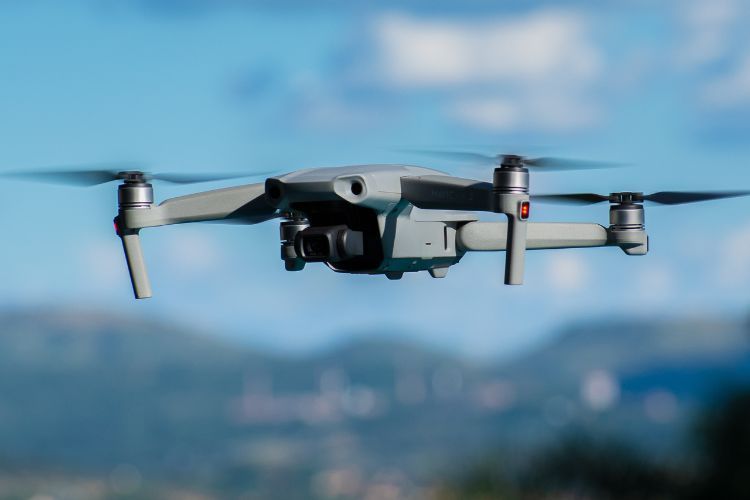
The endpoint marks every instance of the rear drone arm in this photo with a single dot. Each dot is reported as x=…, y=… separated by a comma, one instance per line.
x=491, y=236
x=137, y=211
x=242, y=202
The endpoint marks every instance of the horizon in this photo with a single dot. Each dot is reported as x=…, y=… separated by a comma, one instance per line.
x=393, y=336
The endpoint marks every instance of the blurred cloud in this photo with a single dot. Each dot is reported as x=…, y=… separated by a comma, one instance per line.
x=184, y=8
x=567, y=271
x=527, y=71
x=545, y=44
x=190, y=250
x=545, y=112
x=600, y=390
x=714, y=49
x=707, y=25
x=534, y=70
x=716, y=35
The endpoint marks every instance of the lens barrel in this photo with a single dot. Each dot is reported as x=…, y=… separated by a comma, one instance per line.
x=329, y=244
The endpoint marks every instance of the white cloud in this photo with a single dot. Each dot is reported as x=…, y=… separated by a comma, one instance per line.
x=708, y=26
x=532, y=48
x=567, y=271
x=488, y=113
x=190, y=251
x=715, y=31
x=542, y=111
x=535, y=71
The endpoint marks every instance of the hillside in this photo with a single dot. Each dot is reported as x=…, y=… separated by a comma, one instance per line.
x=88, y=394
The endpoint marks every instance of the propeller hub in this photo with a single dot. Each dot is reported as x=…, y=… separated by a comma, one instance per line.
x=512, y=161
x=132, y=176
x=626, y=197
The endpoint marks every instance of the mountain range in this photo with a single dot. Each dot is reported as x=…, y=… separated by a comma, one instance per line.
x=96, y=399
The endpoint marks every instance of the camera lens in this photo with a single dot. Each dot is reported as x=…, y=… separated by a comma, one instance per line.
x=316, y=246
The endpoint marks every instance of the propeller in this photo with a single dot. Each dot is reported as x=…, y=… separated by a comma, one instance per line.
x=82, y=176
x=661, y=197
x=544, y=163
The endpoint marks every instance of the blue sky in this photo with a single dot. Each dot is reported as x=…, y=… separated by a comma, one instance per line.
x=228, y=85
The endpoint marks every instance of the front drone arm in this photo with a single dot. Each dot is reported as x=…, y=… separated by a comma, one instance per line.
x=137, y=210
x=236, y=203
x=491, y=236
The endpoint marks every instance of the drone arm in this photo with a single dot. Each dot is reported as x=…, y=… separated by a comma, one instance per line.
x=491, y=236
x=242, y=202
x=245, y=203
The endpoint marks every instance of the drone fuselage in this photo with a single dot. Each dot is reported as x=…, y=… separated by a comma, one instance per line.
x=397, y=237
x=356, y=219
x=385, y=219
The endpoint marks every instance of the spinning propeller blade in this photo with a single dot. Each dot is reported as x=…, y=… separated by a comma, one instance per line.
x=661, y=198
x=549, y=163
x=571, y=199
x=466, y=156
x=82, y=176
x=546, y=163
x=680, y=197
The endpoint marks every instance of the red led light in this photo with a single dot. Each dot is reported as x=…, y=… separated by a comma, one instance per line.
x=525, y=208
x=117, y=229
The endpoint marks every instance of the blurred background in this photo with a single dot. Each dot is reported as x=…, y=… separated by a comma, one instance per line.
x=604, y=376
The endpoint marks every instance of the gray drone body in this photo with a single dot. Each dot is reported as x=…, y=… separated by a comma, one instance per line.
x=364, y=219
x=383, y=219
x=364, y=203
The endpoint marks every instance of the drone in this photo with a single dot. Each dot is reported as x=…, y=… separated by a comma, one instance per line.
x=383, y=219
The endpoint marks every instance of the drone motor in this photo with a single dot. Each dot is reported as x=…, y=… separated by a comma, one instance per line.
x=627, y=213
x=134, y=192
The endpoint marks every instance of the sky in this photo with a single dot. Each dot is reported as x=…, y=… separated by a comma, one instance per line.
x=228, y=85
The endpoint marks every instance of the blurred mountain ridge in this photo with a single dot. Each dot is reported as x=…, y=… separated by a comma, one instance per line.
x=93, y=391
